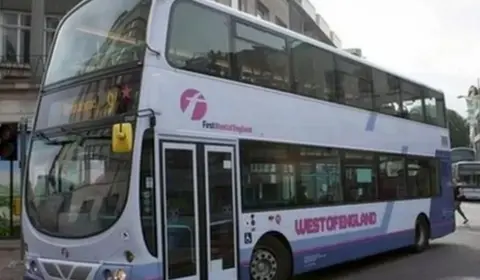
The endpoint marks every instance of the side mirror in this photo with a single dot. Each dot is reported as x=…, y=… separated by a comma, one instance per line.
x=122, y=137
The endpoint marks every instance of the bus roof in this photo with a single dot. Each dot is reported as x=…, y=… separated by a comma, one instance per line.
x=465, y=162
x=462, y=149
x=295, y=35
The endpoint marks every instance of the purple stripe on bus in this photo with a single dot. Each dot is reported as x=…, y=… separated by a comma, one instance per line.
x=303, y=244
x=371, y=121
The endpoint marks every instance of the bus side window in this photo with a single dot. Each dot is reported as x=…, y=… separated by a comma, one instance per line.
x=360, y=179
x=386, y=93
x=201, y=46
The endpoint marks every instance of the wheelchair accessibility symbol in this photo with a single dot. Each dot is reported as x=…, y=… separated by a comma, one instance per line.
x=248, y=238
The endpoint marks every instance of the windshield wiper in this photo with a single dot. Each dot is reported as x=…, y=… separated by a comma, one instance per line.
x=70, y=131
x=82, y=137
x=43, y=136
x=49, y=141
x=79, y=140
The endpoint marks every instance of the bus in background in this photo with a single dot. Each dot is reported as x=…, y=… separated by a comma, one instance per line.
x=463, y=154
x=187, y=140
x=466, y=174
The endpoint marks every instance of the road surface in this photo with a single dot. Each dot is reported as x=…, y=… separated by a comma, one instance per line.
x=10, y=266
x=452, y=258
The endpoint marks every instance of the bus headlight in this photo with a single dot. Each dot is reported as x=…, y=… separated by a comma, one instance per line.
x=120, y=274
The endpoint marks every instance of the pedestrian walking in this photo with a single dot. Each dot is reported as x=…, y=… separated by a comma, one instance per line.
x=458, y=197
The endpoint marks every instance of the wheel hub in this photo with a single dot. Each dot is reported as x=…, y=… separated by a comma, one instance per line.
x=263, y=265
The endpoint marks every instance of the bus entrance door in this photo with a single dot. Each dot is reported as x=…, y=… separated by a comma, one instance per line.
x=199, y=211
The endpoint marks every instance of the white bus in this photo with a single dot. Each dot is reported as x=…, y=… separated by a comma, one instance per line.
x=462, y=154
x=466, y=174
x=186, y=140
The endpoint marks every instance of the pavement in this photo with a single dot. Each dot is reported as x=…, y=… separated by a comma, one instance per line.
x=455, y=257
x=11, y=267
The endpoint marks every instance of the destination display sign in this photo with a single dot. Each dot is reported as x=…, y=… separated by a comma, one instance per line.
x=91, y=101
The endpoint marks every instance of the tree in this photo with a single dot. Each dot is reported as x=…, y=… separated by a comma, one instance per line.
x=458, y=128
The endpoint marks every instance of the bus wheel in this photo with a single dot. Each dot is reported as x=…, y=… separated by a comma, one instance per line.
x=270, y=260
x=422, y=235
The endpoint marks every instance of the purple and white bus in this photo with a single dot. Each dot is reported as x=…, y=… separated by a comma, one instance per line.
x=186, y=140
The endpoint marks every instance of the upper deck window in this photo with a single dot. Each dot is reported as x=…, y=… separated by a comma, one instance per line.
x=314, y=71
x=386, y=95
x=99, y=35
x=354, y=83
x=202, y=47
x=248, y=51
x=412, y=101
x=435, y=108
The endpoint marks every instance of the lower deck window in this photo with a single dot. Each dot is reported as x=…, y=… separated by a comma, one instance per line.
x=288, y=176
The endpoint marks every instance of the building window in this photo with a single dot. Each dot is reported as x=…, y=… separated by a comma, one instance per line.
x=262, y=11
x=16, y=37
x=51, y=24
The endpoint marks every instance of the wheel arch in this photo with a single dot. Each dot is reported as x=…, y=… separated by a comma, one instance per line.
x=283, y=240
x=423, y=217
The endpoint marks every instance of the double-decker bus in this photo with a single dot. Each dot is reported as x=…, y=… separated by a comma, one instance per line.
x=186, y=140
x=466, y=175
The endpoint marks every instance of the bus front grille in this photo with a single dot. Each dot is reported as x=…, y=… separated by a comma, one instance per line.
x=57, y=270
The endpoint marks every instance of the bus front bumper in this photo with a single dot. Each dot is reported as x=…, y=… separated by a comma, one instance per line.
x=48, y=269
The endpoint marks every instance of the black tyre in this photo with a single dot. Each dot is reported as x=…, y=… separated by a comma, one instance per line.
x=270, y=260
x=422, y=235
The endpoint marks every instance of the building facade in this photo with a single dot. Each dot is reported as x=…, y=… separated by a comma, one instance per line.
x=473, y=118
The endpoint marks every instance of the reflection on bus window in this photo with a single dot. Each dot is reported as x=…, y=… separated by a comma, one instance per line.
x=91, y=39
x=77, y=186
